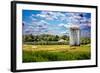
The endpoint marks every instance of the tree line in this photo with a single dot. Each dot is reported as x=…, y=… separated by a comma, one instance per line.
x=47, y=39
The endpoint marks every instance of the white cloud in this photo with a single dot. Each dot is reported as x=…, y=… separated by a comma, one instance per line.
x=65, y=20
x=67, y=26
x=86, y=22
x=61, y=25
x=41, y=15
x=68, y=17
x=43, y=22
x=35, y=27
x=48, y=15
x=64, y=25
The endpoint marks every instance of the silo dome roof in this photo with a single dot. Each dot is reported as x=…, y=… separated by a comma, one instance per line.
x=74, y=26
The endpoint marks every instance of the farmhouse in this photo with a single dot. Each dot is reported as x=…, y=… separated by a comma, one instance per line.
x=61, y=40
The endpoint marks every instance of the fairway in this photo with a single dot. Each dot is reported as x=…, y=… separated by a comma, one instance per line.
x=43, y=53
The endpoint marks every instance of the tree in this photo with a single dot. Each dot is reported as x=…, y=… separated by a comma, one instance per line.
x=65, y=37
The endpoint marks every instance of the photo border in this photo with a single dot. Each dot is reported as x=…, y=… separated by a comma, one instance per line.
x=13, y=35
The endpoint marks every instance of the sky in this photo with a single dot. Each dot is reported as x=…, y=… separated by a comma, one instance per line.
x=38, y=22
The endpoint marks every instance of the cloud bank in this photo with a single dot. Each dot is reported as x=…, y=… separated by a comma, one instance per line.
x=54, y=22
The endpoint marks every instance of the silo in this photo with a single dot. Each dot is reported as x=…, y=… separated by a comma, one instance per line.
x=74, y=35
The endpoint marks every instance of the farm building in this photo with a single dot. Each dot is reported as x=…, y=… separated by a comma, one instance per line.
x=61, y=40
x=74, y=35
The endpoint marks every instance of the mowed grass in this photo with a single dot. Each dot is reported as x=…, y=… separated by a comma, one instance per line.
x=43, y=53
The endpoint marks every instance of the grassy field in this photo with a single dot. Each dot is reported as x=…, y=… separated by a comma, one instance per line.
x=42, y=53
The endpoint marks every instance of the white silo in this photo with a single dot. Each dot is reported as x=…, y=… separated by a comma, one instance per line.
x=74, y=35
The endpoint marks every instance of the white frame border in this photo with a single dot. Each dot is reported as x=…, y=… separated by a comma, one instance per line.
x=37, y=65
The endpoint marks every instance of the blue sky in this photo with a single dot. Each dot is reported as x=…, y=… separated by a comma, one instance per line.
x=54, y=22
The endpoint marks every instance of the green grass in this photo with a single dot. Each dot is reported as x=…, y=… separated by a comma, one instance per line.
x=42, y=53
